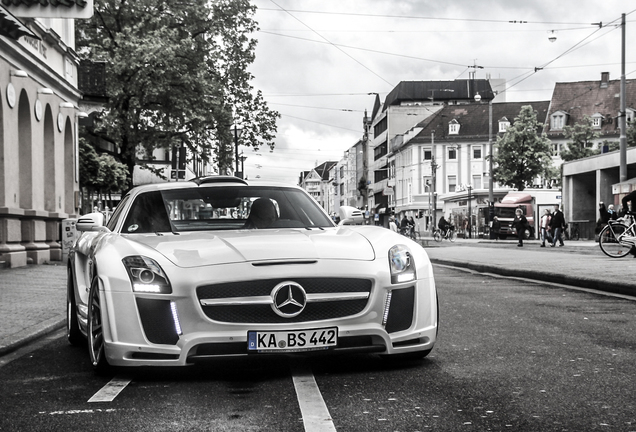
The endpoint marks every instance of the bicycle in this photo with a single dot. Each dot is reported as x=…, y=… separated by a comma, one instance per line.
x=410, y=232
x=617, y=238
x=450, y=235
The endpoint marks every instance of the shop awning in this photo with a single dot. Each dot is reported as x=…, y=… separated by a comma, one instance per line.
x=12, y=27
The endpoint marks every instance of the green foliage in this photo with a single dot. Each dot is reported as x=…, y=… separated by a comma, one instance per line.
x=523, y=155
x=176, y=73
x=100, y=173
x=580, y=138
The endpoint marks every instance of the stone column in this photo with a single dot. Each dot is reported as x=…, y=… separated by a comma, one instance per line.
x=12, y=253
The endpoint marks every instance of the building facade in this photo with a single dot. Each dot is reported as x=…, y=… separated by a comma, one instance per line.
x=446, y=167
x=408, y=104
x=39, y=114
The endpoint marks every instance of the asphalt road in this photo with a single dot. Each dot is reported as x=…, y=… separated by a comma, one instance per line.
x=511, y=356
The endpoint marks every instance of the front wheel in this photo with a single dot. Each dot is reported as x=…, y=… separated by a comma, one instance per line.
x=437, y=235
x=96, y=329
x=452, y=236
x=610, y=241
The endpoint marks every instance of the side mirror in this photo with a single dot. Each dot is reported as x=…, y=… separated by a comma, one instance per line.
x=90, y=222
x=350, y=216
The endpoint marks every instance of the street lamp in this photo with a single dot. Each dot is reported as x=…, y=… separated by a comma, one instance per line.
x=470, y=215
x=237, y=134
x=242, y=157
x=491, y=193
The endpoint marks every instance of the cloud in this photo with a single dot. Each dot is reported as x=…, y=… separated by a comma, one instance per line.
x=317, y=69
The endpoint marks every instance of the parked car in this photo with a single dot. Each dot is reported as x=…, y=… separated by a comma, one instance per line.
x=194, y=270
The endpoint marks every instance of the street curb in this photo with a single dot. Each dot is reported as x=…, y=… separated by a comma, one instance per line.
x=24, y=337
x=560, y=278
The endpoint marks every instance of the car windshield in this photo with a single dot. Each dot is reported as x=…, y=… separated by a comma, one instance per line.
x=223, y=208
x=507, y=212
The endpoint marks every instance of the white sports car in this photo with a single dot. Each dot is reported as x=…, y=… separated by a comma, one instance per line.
x=193, y=270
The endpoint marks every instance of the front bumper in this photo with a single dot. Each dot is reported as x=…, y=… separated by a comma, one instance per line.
x=140, y=329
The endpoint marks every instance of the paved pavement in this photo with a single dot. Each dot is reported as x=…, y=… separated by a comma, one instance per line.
x=33, y=298
x=32, y=303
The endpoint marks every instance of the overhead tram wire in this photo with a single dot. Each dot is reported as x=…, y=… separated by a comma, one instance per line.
x=566, y=52
x=335, y=46
x=428, y=18
x=429, y=31
x=384, y=52
x=323, y=124
x=315, y=107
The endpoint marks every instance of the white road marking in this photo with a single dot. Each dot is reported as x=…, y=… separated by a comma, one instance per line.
x=316, y=417
x=110, y=391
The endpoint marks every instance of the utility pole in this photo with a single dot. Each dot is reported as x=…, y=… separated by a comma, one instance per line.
x=434, y=182
x=622, y=120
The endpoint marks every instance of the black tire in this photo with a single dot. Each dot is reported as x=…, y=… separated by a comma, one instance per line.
x=607, y=240
x=95, y=331
x=437, y=236
x=452, y=236
x=73, y=333
x=502, y=236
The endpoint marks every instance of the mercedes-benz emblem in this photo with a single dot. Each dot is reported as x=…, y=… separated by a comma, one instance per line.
x=289, y=299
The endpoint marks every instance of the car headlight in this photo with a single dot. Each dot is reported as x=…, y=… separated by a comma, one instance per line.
x=146, y=276
x=402, y=265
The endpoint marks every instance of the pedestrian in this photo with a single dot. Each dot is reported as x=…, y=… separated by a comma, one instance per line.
x=495, y=228
x=631, y=198
x=520, y=223
x=557, y=223
x=411, y=227
x=545, y=227
x=392, y=225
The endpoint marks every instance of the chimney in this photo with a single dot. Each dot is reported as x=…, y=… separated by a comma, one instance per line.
x=604, y=79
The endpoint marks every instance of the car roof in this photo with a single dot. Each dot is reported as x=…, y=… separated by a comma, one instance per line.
x=207, y=181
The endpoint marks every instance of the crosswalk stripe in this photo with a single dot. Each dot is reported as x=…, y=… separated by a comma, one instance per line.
x=316, y=417
x=110, y=391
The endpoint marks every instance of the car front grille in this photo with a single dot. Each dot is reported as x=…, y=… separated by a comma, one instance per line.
x=251, y=301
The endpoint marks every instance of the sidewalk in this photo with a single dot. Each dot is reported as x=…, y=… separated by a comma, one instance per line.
x=33, y=298
x=32, y=303
x=578, y=263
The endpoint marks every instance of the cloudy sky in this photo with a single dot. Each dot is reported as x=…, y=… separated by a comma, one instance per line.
x=318, y=60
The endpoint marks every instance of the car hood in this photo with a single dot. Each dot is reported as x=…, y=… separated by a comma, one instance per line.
x=196, y=249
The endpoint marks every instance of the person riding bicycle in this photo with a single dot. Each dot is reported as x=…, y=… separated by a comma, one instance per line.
x=443, y=225
x=631, y=198
x=404, y=226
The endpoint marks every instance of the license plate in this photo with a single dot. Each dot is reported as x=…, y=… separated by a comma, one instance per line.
x=292, y=341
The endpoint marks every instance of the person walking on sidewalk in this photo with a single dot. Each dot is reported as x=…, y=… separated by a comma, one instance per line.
x=545, y=227
x=495, y=228
x=520, y=223
x=557, y=223
x=392, y=224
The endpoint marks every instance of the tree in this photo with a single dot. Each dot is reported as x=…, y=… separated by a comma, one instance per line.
x=580, y=138
x=522, y=155
x=177, y=74
x=100, y=173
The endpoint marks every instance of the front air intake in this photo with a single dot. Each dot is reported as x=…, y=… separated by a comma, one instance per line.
x=158, y=321
x=400, y=310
